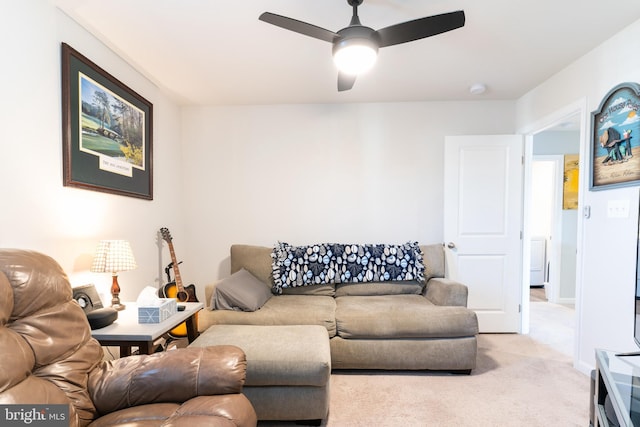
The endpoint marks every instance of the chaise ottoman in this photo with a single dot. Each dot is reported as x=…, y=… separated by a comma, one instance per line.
x=288, y=368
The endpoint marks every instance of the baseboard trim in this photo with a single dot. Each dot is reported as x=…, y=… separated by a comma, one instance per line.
x=566, y=301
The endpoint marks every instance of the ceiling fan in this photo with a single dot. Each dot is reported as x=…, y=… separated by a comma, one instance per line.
x=355, y=47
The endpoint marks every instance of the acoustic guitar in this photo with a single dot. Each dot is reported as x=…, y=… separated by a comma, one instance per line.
x=175, y=289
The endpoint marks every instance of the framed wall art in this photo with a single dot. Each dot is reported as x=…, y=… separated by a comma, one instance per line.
x=615, y=139
x=106, y=131
x=571, y=180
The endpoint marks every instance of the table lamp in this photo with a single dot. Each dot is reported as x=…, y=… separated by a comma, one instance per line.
x=113, y=256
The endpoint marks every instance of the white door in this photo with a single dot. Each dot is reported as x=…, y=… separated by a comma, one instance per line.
x=483, y=222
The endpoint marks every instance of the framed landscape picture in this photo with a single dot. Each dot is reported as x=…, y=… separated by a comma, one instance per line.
x=106, y=131
x=615, y=139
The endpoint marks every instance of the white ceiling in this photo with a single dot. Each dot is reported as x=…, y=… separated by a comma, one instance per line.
x=212, y=52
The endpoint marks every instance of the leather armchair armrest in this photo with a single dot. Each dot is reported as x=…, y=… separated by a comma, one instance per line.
x=172, y=376
x=442, y=291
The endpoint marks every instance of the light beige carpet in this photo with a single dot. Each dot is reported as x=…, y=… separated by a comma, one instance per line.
x=518, y=382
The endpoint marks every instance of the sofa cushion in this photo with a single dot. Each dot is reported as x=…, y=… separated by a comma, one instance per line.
x=433, y=260
x=288, y=355
x=282, y=310
x=379, y=288
x=240, y=291
x=255, y=259
x=401, y=316
x=322, y=290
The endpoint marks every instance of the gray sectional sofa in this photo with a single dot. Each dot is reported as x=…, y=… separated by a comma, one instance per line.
x=407, y=325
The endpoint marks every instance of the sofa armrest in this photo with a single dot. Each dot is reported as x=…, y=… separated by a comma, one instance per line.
x=442, y=291
x=172, y=376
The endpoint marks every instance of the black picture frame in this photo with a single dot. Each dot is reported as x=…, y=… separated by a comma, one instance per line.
x=107, y=131
x=615, y=139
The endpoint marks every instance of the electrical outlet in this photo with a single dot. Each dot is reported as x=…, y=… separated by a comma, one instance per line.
x=618, y=209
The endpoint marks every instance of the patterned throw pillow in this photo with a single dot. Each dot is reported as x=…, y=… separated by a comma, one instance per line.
x=326, y=263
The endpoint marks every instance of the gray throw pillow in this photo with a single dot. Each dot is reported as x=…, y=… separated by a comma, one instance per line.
x=241, y=291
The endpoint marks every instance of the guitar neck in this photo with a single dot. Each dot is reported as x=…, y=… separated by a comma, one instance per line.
x=176, y=270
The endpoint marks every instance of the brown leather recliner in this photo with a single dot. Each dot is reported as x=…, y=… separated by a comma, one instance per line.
x=47, y=356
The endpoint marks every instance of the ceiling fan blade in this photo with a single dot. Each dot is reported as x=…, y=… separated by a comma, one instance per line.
x=298, y=26
x=345, y=81
x=421, y=28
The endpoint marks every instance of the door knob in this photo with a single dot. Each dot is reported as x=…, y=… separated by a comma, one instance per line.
x=451, y=245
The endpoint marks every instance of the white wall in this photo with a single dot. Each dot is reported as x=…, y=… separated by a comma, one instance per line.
x=542, y=197
x=556, y=142
x=37, y=212
x=311, y=173
x=606, y=296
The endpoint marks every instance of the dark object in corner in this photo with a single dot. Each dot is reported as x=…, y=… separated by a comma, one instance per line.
x=87, y=298
x=102, y=317
x=98, y=315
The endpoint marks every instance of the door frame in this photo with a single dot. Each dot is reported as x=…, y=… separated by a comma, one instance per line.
x=577, y=107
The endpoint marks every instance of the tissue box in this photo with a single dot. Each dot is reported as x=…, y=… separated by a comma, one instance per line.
x=159, y=313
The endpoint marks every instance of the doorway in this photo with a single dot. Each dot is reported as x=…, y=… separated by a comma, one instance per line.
x=551, y=143
x=552, y=318
x=546, y=225
x=553, y=220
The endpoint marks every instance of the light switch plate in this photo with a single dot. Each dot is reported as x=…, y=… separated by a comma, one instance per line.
x=618, y=209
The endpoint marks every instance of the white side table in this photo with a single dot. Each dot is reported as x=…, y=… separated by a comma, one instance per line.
x=126, y=332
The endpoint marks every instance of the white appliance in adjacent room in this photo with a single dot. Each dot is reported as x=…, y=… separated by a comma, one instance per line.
x=538, y=269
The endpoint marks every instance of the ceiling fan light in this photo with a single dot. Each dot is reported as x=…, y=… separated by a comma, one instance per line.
x=355, y=57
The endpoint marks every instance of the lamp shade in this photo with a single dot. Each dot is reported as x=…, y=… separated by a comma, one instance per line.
x=113, y=256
